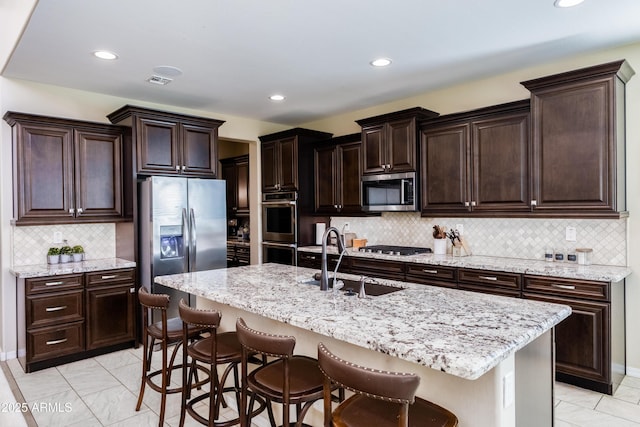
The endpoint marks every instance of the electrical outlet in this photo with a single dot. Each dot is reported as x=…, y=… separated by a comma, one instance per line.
x=570, y=234
x=57, y=237
x=460, y=228
x=346, y=227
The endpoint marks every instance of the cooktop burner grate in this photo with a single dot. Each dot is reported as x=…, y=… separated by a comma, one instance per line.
x=395, y=250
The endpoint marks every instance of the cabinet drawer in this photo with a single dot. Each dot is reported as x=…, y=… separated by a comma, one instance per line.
x=378, y=268
x=55, y=341
x=53, y=284
x=309, y=260
x=110, y=277
x=45, y=309
x=422, y=272
x=488, y=278
x=582, y=289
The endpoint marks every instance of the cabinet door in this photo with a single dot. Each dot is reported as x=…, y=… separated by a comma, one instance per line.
x=157, y=146
x=110, y=315
x=349, y=162
x=44, y=173
x=242, y=176
x=288, y=156
x=270, y=166
x=445, y=169
x=98, y=174
x=500, y=150
x=229, y=175
x=326, y=179
x=582, y=339
x=199, y=156
x=573, y=147
x=401, y=145
x=373, y=149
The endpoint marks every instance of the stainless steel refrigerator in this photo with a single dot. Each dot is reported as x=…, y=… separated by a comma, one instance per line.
x=182, y=229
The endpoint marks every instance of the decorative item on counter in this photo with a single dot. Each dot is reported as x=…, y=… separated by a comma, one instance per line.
x=584, y=255
x=320, y=229
x=458, y=246
x=439, y=240
x=65, y=254
x=548, y=254
x=359, y=243
x=558, y=255
x=77, y=252
x=571, y=255
x=245, y=232
x=53, y=255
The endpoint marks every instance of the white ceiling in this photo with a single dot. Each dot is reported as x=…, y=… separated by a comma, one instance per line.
x=235, y=53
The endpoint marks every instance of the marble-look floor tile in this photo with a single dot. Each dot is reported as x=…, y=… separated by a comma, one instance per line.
x=619, y=408
x=32, y=385
x=117, y=359
x=113, y=405
x=631, y=382
x=576, y=395
x=628, y=394
x=88, y=376
x=62, y=410
x=129, y=376
x=585, y=417
x=146, y=419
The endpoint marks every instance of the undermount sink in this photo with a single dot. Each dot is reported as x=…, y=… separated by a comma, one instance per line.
x=351, y=287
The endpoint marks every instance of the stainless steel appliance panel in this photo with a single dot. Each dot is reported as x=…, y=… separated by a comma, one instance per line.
x=207, y=216
x=279, y=217
x=280, y=253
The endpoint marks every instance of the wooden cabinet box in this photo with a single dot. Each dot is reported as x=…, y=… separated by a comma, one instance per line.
x=235, y=171
x=170, y=143
x=491, y=282
x=578, y=141
x=435, y=275
x=476, y=162
x=66, y=171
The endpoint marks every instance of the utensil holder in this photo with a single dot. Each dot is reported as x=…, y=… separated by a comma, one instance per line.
x=440, y=246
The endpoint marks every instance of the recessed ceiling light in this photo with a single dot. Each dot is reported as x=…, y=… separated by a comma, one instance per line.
x=103, y=54
x=381, y=62
x=567, y=3
x=277, y=97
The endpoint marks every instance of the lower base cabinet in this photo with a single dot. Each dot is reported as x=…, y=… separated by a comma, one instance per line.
x=75, y=316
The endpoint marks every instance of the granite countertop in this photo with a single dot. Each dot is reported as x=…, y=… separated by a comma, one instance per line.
x=43, y=270
x=462, y=333
x=601, y=273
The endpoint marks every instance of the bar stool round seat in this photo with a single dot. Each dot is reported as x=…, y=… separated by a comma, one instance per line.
x=289, y=379
x=165, y=332
x=381, y=399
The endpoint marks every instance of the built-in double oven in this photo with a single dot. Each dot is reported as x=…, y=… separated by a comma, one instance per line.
x=279, y=227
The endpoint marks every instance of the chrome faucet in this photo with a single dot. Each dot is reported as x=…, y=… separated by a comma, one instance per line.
x=324, y=274
x=362, y=293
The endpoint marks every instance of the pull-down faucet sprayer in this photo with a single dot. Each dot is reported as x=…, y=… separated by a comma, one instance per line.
x=324, y=274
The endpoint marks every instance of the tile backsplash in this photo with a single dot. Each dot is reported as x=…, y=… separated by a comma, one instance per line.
x=524, y=238
x=31, y=243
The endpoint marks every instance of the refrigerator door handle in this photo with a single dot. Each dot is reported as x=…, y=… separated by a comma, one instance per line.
x=187, y=240
x=192, y=246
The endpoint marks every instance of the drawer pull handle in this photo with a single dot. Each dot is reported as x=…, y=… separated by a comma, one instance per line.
x=113, y=276
x=53, y=283
x=431, y=271
x=488, y=277
x=54, y=342
x=58, y=308
x=570, y=287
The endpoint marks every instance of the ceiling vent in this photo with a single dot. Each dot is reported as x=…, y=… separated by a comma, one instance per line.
x=159, y=80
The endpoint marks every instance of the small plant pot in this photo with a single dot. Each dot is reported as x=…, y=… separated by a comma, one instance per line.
x=53, y=259
x=77, y=257
x=65, y=258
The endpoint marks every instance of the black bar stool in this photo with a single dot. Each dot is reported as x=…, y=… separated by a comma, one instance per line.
x=289, y=380
x=381, y=399
x=166, y=332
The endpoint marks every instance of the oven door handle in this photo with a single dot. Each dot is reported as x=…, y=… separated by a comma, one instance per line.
x=281, y=203
x=280, y=245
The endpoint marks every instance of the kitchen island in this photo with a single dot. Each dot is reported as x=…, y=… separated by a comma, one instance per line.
x=486, y=358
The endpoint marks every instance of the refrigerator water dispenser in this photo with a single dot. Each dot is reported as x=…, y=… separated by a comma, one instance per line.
x=171, y=244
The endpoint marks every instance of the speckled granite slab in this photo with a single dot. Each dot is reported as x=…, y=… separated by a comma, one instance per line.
x=43, y=270
x=458, y=332
x=602, y=273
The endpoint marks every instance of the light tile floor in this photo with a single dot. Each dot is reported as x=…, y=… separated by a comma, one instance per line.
x=102, y=391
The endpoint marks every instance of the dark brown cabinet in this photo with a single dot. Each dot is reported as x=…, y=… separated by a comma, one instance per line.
x=66, y=170
x=589, y=343
x=337, y=169
x=389, y=141
x=286, y=153
x=434, y=275
x=476, y=161
x=490, y=282
x=71, y=317
x=238, y=254
x=170, y=143
x=578, y=141
x=235, y=171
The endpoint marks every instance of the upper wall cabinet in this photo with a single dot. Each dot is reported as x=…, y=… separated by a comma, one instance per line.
x=579, y=141
x=235, y=171
x=171, y=144
x=476, y=162
x=389, y=141
x=65, y=170
x=284, y=154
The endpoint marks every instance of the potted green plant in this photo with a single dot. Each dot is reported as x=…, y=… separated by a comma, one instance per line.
x=53, y=255
x=78, y=253
x=65, y=254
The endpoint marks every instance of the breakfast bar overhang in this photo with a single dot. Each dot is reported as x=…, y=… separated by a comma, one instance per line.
x=486, y=358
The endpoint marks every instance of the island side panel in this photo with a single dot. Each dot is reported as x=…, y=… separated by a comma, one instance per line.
x=476, y=403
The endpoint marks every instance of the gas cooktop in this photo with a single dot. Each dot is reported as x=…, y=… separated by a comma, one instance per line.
x=395, y=250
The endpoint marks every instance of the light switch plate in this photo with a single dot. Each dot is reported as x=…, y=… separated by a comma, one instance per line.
x=460, y=228
x=570, y=234
x=57, y=237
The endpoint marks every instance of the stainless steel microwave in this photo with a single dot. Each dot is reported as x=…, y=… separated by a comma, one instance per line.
x=389, y=192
